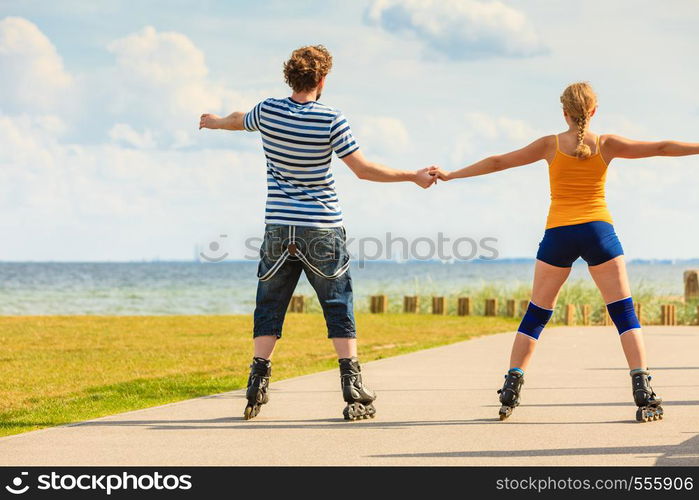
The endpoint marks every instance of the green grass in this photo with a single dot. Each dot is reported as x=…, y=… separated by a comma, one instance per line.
x=60, y=369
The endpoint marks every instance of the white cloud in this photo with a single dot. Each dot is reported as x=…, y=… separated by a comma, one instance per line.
x=69, y=190
x=166, y=58
x=131, y=179
x=72, y=201
x=125, y=134
x=495, y=134
x=33, y=76
x=460, y=29
x=160, y=80
x=382, y=134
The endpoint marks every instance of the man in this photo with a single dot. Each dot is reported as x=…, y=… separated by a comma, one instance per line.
x=303, y=219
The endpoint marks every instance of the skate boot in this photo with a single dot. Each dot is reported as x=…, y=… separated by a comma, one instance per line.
x=647, y=401
x=509, y=394
x=258, y=383
x=359, y=398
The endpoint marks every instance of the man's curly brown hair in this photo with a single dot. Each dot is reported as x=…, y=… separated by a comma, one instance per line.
x=306, y=67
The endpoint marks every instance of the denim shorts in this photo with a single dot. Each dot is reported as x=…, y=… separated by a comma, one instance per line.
x=320, y=252
x=596, y=242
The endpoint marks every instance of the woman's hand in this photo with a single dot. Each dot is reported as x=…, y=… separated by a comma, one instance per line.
x=439, y=173
x=424, y=177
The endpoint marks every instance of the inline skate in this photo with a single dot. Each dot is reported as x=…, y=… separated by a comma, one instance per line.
x=509, y=394
x=258, y=384
x=359, y=398
x=648, y=402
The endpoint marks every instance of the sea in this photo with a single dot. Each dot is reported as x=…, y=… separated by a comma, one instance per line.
x=171, y=288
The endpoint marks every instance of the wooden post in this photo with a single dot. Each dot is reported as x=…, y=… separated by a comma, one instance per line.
x=673, y=315
x=586, y=314
x=439, y=305
x=523, y=306
x=663, y=314
x=297, y=304
x=511, y=308
x=606, y=319
x=570, y=314
x=668, y=315
x=491, y=307
x=691, y=285
x=464, y=306
x=639, y=312
x=411, y=304
x=379, y=304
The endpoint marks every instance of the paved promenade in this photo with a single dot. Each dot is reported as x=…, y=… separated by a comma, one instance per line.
x=435, y=407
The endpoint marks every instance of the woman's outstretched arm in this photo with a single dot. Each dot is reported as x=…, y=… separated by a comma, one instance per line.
x=620, y=147
x=535, y=151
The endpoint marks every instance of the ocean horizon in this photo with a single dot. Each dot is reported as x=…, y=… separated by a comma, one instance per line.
x=186, y=287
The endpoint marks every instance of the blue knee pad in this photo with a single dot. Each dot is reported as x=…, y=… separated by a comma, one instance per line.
x=534, y=321
x=623, y=315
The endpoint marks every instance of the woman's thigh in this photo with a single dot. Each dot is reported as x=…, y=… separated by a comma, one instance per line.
x=548, y=281
x=611, y=279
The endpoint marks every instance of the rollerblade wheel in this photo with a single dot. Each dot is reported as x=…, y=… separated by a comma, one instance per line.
x=251, y=411
x=355, y=411
x=348, y=413
x=505, y=411
x=639, y=415
x=646, y=415
x=370, y=410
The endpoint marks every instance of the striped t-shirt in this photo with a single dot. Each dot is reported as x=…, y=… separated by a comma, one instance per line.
x=298, y=140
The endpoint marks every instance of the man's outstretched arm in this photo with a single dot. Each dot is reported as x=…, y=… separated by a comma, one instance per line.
x=234, y=121
x=376, y=172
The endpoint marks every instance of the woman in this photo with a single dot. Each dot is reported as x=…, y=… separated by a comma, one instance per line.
x=579, y=225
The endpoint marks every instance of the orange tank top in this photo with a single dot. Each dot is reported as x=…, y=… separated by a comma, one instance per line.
x=577, y=189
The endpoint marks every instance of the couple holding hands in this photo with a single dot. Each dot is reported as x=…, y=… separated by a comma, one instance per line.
x=299, y=136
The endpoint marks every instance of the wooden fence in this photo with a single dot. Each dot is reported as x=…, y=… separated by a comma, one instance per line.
x=573, y=314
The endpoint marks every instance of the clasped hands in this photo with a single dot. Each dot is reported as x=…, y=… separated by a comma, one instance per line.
x=425, y=177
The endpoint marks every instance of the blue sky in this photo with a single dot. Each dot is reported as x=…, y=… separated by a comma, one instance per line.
x=101, y=159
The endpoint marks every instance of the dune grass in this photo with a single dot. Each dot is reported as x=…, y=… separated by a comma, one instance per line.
x=60, y=369
x=578, y=292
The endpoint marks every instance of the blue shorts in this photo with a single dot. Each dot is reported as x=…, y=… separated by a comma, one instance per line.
x=596, y=242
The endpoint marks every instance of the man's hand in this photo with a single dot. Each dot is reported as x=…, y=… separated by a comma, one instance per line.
x=209, y=120
x=438, y=173
x=423, y=178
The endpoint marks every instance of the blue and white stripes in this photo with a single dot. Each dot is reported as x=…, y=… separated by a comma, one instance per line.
x=298, y=140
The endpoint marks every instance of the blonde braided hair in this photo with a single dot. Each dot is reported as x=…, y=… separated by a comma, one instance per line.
x=579, y=100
